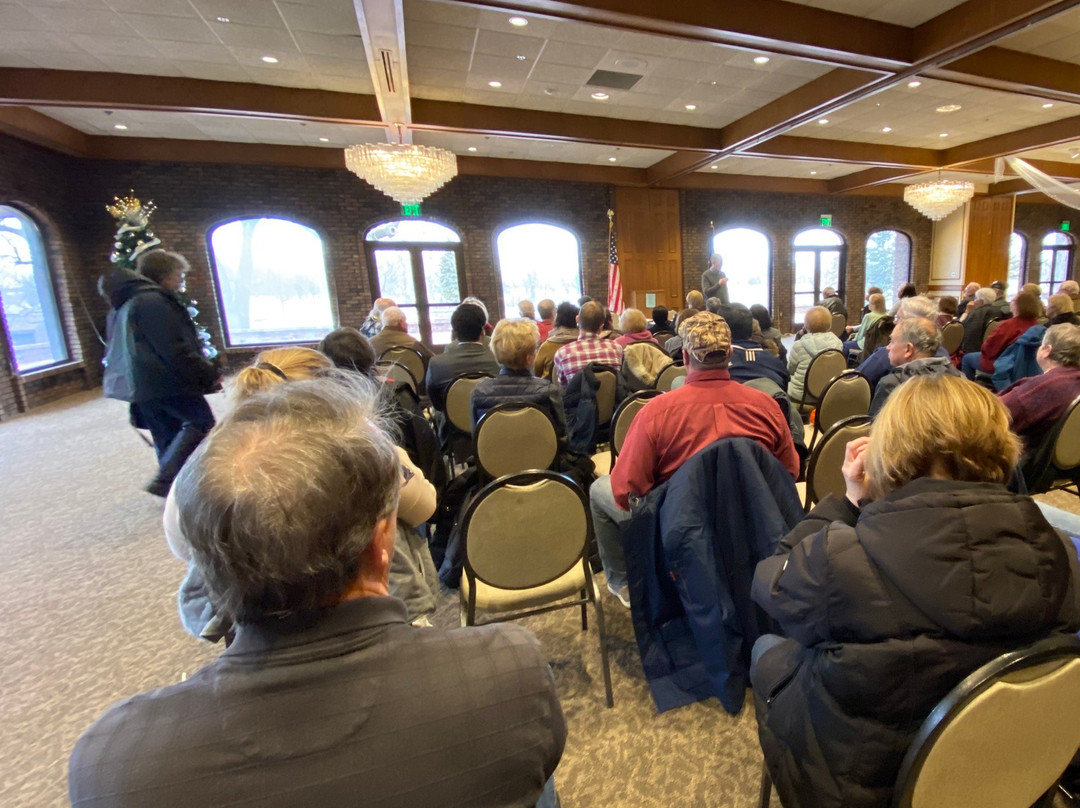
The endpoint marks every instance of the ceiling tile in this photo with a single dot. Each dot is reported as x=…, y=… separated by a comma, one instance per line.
x=575, y=55
x=240, y=12
x=24, y=41
x=436, y=58
x=329, y=66
x=499, y=68
x=326, y=18
x=83, y=21
x=17, y=18
x=433, y=35
x=254, y=58
x=267, y=40
x=126, y=45
x=498, y=43
x=65, y=61
x=344, y=45
x=442, y=13
x=281, y=78
x=194, y=52
x=179, y=29
x=500, y=21
x=561, y=74
x=344, y=84
x=122, y=63
x=169, y=8
x=12, y=59
x=213, y=72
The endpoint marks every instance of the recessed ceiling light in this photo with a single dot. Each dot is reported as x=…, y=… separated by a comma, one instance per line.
x=691, y=107
x=472, y=148
x=613, y=159
x=886, y=129
x=761, y=60
x=1047, y=105
x=119, y=126
x=601, y=96
x=914, y=84
x=714, y=166
x=550, y=91
x=518, y=22
x=1074, y=153
x=324, y=140
x=823, y=121
x=950, y=108
x=813, y=172
x=270, y=60
x=495, y=84
x=944, y=134
x=521, y=57
x=223, y=19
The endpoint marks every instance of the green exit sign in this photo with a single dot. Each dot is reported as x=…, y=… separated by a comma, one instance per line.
x=826, y=220
x=410, y=210
x=1066, y=224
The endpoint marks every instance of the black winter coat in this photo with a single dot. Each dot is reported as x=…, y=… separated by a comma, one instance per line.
x=153, y=350
x=887, y=610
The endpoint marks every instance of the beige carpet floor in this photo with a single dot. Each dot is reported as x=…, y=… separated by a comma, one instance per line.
x=88, y=617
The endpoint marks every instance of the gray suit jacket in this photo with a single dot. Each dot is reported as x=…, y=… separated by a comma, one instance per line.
x=457, y=360
x=341, y=707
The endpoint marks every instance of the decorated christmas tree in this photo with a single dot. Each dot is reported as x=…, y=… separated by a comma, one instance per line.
x=133, y=238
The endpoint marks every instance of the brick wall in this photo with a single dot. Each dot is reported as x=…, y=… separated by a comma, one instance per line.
x=782, y=216
x=1033, y=222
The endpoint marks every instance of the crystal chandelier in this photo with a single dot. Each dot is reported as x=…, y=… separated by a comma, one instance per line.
x=402, y=171
x=938, y=198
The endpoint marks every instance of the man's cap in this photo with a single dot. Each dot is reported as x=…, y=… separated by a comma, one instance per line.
x=998, y=285
x=706, y=337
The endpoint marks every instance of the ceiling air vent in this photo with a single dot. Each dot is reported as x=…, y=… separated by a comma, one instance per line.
x=613, y=79
x=386, y=60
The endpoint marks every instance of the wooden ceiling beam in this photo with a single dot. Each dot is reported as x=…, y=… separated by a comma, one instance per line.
x=976, y=24
x=1009, y=188
x=32, y=126
x=868, y=178
x=1015, y=72
x=1034, y=137
x=845, y=151
x=776, y=26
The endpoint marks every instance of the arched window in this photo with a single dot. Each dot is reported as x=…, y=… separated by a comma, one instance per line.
x=271, y=281
x=538, y=261
x=820, y=256
x=27, y=295
x=888, y=262
x=1017, y=255
x=747, y=264
x=1055, y=261
x=418, y=264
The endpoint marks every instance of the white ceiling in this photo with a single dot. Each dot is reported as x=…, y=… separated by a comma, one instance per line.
x=1056, y=38
x=911, y=115
x=774, y=167
x=900, y=12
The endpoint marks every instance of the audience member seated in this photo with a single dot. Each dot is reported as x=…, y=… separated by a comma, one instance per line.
x=485, y=337
x=1035, y=291
x=588, y=347
x=1072, y=289
x=832, y=301
x=1025, y=311
x=327, y=693
x=373, y=324
x=673, y=427
x=1060, y=310
x=748, y=359
x=348, y=349
x=713, y=304
x=913, y=350
x=608, y=329
x=928, y=569
x=695, y=304
x=818, y=338
x=634, y=329
x=546, y=308
x=946, y=310
x=877, y=311
x=1001, y=303
x=877, y=364
x=979, y=314
x=395, y=334
x=564, y=332
x=769, y=332
x=526, y=310
x=870, y=292
x=1036, y=402
x=967, y=299
x=904, y=292
x=660, y=323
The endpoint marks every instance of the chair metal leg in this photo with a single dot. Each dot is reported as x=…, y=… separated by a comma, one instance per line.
x=584, y=610
x=603, y=650
x=766, y=788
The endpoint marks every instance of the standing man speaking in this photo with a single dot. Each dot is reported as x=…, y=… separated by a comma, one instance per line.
x=154, y=360
x=714, y=281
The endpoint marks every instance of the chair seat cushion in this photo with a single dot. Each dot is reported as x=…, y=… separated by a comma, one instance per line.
x=493, y=599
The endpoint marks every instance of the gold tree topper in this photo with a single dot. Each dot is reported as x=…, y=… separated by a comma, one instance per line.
x=130, y=209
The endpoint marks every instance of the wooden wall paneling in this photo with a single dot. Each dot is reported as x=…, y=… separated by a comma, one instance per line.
x=987, y=254
x=650, y=243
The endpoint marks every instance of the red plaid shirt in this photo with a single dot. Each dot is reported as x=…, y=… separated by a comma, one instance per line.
x=588, y=348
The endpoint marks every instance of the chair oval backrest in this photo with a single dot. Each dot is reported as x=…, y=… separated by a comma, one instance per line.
x=990, y=326
x=846, y=395
x=1067, y=445
x=605, y=396
x=823, y=475
x=952, y=335
x=459, y=401
x=822, y=369
x=1003, y=736
x=512, y=438
x=668, y=376
x=839, y=324
x=624, y=416
x=409, y=357
x=525, y=530
x=397, y=373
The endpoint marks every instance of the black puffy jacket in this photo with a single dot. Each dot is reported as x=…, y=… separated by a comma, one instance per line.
x=887, y=610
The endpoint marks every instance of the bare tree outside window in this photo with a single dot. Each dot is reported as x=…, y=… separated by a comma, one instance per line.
x=538, y=261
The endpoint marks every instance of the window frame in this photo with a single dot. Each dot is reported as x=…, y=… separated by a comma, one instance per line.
x=890, y=298
x=1024, y=245
x=1068, y=248
x=841, y=248
x=223, y=314
x=415, y=249
x=769, y=276
x=501, y=302
x=38, y=249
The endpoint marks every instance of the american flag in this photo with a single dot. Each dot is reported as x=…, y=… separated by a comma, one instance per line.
x=614, y=284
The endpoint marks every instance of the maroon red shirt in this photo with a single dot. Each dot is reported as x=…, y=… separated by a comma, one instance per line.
x=1036, y=402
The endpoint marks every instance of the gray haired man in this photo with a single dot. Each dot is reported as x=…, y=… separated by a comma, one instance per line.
x=913, y=350
x=327, y=696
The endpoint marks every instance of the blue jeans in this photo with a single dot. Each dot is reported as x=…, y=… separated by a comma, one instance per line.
x=608, y=519
x=177, y=424
x=548, y=797
x=1063, y=520
x=970, y=364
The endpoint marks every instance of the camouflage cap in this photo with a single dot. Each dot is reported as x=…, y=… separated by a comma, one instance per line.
x=706, y=337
